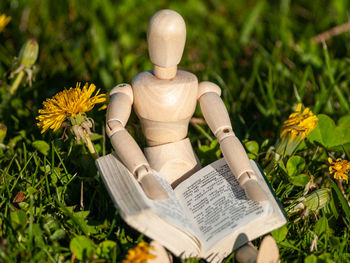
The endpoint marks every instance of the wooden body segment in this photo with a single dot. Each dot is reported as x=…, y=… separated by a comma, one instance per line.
x=166, y=37
x=118, y=113
x=215, y=113
x=160, y=133
x=267, y=253
x=119, y=108
x=176, y=161
x=164, y=107
x=127, y=149
x=165, y=100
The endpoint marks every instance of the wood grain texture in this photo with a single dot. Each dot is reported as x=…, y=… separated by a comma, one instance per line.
x=165, y=100
x=166, y=38
x=159, y=133
x=165, y=107
x=215, y=112
x=235, y=156
x=206, y=86
x=119, y=109
x=164, y=73
x=128, y=151
x=268, y=251
x=216, y=115
x=133, y=158
x=173, y=160
x=123, y=88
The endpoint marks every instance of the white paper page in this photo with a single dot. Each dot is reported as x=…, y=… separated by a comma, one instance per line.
x=214, y=201
x=170, y=209
x=127, y=193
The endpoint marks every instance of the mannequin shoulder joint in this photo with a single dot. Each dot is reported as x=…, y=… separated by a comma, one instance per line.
x=123, y=88
x=206, y=86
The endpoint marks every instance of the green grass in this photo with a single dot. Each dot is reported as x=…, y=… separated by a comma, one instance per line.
x=261, y=55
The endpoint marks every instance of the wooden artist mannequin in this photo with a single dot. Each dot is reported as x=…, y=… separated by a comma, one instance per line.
x=164, y=100
x=268, y=252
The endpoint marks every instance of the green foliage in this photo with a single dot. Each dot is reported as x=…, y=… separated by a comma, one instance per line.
x=53, y=203
x=209, y=153
x=321, y=226
x=107, y=250
x=18, y=220
x=328, y=134
x=344, y=203
x=295, y=165
x=299, y=180
x=82, y=247
x=252, y=149
x=41, y=146
x=280, y=234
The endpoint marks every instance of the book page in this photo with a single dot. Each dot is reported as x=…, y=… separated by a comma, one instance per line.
x=170, y=209
x=164, y=221
x=217, y=205
x=128, y=195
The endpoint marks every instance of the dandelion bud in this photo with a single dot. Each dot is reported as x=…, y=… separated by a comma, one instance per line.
x=318, y=199
x=29, y=53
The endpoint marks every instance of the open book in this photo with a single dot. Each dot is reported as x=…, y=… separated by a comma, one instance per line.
x=207, y=215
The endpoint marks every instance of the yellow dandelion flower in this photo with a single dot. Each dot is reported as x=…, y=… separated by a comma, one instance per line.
x=340, y=168
x=139, y=254
x=4, y=20
x=294, y=130
x=72, y=103
x=299, y=124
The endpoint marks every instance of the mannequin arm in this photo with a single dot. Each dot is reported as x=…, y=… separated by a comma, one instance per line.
x=215, y=113
x=118, y=113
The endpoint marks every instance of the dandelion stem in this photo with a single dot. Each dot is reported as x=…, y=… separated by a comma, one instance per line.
x=90, y=146
x=82, y=195
x=13, y=88
x=16, y=83
x=341, y=188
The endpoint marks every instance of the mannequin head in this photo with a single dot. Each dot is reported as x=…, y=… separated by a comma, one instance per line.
x=166, y=38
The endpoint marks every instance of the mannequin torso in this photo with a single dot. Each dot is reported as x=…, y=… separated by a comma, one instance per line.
x=164, y=107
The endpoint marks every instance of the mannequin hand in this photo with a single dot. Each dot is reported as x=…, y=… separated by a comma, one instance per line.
x=252, y=188
x=152, y=188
